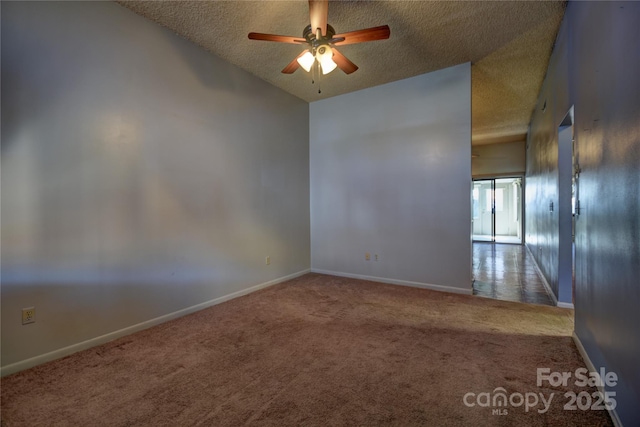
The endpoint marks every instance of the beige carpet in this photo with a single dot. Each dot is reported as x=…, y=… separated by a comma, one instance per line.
x=317, y=350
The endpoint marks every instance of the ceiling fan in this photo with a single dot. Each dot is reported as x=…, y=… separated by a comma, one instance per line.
x=321, y=40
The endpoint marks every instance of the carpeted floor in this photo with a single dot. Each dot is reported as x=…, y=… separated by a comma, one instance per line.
x=317, y=350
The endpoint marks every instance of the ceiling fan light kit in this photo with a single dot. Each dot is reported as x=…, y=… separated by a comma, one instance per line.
x=325, y=58
x=306, y=61
x=321, y=40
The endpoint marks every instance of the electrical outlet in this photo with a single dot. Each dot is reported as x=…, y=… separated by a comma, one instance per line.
x=267, y=260
x=28, y=315
x=367, y=256
x=376, y=256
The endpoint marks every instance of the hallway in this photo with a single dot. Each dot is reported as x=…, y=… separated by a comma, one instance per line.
x=507, y=272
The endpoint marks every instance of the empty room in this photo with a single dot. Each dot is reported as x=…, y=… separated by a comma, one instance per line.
x=312, y=213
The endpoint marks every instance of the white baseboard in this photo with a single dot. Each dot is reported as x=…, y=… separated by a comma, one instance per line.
x=74, y=348
x=565, y=305
x=544, y=280
x=397, y=282
x=591, y=367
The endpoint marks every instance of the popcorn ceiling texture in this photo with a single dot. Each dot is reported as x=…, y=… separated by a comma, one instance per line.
x=508, y=43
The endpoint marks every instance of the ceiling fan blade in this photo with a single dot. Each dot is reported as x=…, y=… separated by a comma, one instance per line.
x=293, y=65
x=276, y=38
x=343, y=62
x=318, y=15
x=367, y=35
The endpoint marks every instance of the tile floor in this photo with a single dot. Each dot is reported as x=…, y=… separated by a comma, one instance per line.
x=506, y=272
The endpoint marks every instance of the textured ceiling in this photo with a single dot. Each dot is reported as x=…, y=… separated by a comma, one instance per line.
x=507, y=42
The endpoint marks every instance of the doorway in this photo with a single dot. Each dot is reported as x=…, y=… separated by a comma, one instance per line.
x=497, y=210
x=568, y=210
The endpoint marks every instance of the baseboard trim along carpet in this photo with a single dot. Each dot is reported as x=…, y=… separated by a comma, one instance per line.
x=591, y=367
x=397, y=282
x=65, y=351
x=565, y=305
x=546, y=284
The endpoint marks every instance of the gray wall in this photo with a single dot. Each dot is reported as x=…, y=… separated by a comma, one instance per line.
x=140, y=175
x=541, y=183
x=595, y=68
x=391, y=175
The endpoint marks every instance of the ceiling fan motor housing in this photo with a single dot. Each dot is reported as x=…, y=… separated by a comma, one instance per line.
x=314, y=41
